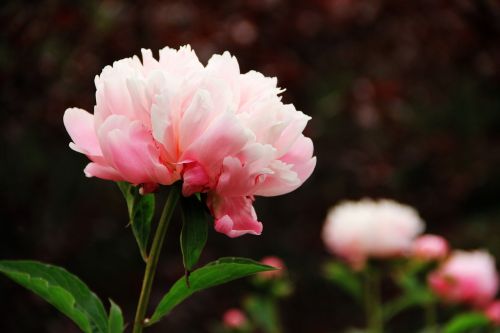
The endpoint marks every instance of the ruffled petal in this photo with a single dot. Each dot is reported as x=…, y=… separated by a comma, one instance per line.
x=241, y=174
x=234, y=216
x=224, y=137
x=195, y=179
x=291, y=170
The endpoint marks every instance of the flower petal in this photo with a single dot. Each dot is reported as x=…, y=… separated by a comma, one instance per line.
x=80, y=126
x=130, y=149
x=234, y=216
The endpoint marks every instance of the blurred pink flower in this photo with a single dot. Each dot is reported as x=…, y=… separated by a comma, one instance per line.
x=234, y=318
x=492, y=311
x=274, y=262
x=359, y=230
x=430, y=247
x=466, y=277
x=222, y=132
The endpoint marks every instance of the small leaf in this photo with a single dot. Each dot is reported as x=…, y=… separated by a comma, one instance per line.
x=215, y=273
x=63, y=290
x=345, y=278
x=141, y=210
x=126, y=189
x=413, y=293
x=465, y=322
x=194, y=230
x=115, y=320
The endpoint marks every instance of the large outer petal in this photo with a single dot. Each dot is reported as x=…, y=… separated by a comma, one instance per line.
x=80, y=126
x=129, y=147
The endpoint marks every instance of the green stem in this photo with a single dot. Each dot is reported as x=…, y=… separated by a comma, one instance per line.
x=373, y=305
x=430, y=317
x=154, y=255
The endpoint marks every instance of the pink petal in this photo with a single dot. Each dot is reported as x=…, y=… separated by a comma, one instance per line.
x=300, y=156
x=224, y=137
x=195, y=119
x=241, y=174
x=195, y=179
x=80, y=126
x=291, y=171
x=130, y=149
x=182, y=62
x=164, y=119
x=234, y=216
x=102, y=171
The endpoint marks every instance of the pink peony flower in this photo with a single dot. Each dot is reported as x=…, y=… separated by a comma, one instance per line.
x=274, y=262
x=359, y=230
x=466, y=277
x=492, y=311
x=222, y=132
x=234, y=318
x=430, y=247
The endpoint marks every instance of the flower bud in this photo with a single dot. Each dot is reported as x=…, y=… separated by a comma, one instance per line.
x=430, y=247
x=273, y=262
x=234, y=318
x=492, y=311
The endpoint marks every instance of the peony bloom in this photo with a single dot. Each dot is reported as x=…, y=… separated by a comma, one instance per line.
x=430, y=247
x=234, y=318
x=221, y=132
x=466, y=277
x=273, y=262
x=359, y=230
x=492, y=311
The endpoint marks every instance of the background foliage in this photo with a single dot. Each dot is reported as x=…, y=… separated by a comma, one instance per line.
x=405, y=100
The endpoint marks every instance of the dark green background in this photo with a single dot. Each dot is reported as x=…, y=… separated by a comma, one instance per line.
x=405, y=100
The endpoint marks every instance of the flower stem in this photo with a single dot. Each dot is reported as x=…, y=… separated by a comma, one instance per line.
x=430, y=317
x=154, y=255
x=373, y=306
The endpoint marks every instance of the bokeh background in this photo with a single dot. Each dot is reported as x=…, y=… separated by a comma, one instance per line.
x=405, y=103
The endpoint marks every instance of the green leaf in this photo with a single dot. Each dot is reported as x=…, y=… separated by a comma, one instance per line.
x=141, y=210
x=345, y=278
x=215, y=273
x=115, y=320
x=465, y=322
x=63, y=290
x=194, y=230
x=264, y=313
x=413, y=293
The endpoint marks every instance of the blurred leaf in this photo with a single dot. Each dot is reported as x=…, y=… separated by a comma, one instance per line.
x=355, y=330
x=345, y=278
x=215, y=273
x=414, y=293
x=141, y=210
x=263, y=313
x=465, y=322
x=115, y=320
x=281, y=288
x=63, y=290
x=194, y=230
